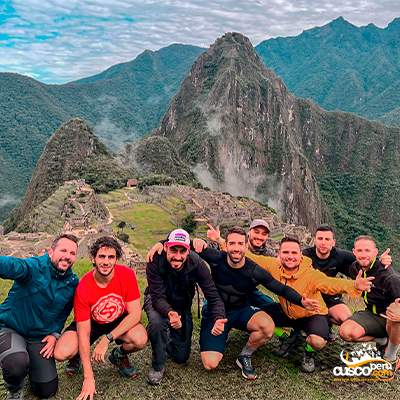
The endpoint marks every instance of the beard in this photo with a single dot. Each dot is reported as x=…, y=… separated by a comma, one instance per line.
x=56, y=265
x=255, y=246
x=105, y=274
x=237, y=260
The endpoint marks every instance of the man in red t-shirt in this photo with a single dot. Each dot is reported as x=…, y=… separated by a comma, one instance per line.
x=106, y=302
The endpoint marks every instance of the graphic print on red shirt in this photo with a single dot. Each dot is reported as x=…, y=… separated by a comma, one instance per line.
x=105, y=305
x=108, y=308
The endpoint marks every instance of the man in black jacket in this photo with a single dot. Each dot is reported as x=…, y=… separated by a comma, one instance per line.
x=172, y=277
x=380, y=321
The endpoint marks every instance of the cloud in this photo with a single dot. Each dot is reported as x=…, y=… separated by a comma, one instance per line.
x=60, y=41
x=8, y=200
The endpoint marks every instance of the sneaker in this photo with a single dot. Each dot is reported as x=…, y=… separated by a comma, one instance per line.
x=288, y=344
x=331, y=335
x=244, y=363
x=155, y=377
x=15, y=395
x=73, y=366
x=126, y=369
x=395, y=366
x=380, y=349
x=308, y=364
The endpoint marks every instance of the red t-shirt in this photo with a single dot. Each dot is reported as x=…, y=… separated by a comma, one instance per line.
x=105, y=305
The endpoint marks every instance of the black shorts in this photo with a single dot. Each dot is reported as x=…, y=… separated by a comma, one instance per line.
x=332, y=300
x=313, y=325
x=97, y=330
x=238, y=318
x=374, y=325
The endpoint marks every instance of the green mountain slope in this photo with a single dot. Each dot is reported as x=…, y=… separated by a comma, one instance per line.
x=72, y=152
x=342, y=67
x=122, y=104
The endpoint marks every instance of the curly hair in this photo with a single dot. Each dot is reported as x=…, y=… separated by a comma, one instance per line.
x=106, y=242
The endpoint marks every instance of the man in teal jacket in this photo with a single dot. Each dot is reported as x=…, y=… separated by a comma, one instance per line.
x=33, y=315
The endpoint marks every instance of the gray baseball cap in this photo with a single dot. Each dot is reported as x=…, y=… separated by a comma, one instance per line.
x=260, y=222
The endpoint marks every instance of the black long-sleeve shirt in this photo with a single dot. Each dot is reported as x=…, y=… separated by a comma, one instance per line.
x=385, y=287
x=235, y=284
x=172, y=290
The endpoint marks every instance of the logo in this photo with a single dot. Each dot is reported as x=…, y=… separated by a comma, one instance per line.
x=180, y=237
x=363, y=364
x=108, y=308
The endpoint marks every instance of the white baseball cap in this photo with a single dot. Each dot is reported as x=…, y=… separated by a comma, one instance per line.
x=178, y=237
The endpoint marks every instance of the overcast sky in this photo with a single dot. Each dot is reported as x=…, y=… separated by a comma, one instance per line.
x=58, y=41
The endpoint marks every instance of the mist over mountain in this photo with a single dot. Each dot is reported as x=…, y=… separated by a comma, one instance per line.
x=236, y=125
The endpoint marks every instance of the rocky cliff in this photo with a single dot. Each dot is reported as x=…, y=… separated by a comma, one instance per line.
x=238, y=126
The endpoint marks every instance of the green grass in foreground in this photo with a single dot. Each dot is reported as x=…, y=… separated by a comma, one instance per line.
x=278, y=378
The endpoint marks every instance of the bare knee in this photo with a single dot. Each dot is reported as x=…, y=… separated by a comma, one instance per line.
x=67, y=346
x=316, y=342
x=211, y=359
x=140, y=339
x=349, y=332
x=135, y=339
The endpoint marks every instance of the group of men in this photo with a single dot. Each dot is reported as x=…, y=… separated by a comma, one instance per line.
x=106, y=304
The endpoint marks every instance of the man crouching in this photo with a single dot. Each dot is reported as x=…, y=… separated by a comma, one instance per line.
x=106, y=303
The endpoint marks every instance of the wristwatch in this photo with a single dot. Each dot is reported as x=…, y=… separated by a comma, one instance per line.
x=110, y=337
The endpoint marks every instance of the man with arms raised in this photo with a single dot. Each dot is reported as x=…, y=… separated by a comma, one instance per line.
x=172, y=276
x=380, y=321
x=107, y=304
x=33, y=315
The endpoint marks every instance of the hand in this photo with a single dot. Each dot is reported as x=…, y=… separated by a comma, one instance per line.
x=393, y=311
x=175, y=320
x=157, y=248
x=310, y=304
x=385, y=259
x=100, y=350
x=363, y=283
x=88, y=389
x=199, y=245
x=48, y=349
x=219, y=326
x=213, y=234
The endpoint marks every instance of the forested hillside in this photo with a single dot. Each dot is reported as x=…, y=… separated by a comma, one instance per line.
x=342, y=67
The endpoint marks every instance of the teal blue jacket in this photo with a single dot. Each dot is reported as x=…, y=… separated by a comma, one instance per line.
x=40, y=299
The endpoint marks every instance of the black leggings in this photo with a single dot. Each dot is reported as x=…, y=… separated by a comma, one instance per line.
x=19, y=358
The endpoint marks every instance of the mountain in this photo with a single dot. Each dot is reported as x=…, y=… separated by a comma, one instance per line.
x=155, y=155
x=72, y=152
x=241, y=130
x=122, y=104
x=342, y=67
